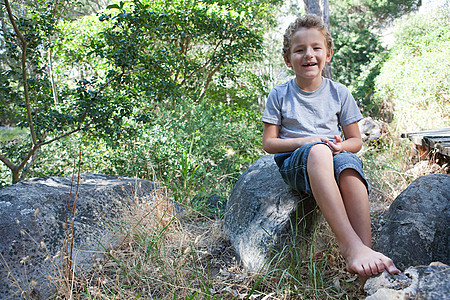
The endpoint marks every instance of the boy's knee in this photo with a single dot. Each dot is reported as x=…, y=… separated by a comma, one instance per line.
x=320, y=153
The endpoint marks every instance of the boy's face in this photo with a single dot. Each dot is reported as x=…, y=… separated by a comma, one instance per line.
x=308, y=55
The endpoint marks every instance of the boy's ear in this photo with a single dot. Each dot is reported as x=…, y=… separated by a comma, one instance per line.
x=329, y=55
x=287, y=62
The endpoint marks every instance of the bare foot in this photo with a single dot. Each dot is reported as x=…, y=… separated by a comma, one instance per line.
x=362, y=280
x=366, y=262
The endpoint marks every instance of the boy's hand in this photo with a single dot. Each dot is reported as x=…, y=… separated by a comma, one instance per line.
x=336, y=145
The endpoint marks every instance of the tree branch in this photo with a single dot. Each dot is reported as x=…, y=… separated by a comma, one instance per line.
x=204, y=65
x=60, y=137
x=52, y=78
x=29, y=155
x=24, y=70
x=7, y=162
x=209, y=79
x=28, y=165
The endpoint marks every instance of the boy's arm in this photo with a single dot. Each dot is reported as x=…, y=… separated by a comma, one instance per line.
x=273, y=144
x=352, y=142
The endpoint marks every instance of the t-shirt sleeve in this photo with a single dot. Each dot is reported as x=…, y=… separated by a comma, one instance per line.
x=350, y=112
x=272, y=110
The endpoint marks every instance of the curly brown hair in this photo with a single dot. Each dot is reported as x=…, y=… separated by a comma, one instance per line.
x=307, y=21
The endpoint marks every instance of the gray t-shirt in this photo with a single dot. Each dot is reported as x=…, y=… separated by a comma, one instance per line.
x=305, y=114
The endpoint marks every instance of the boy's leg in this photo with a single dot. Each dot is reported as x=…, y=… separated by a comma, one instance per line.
x=356, y=201
x=359, y=257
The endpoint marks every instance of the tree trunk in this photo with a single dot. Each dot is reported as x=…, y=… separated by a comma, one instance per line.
x=313, y=7
x=15, y=175
x=321, y=9
x=52, y=78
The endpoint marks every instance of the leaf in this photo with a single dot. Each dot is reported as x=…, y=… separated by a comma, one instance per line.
x=112, y=6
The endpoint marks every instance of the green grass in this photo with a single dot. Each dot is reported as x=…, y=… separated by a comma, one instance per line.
x=11, y=133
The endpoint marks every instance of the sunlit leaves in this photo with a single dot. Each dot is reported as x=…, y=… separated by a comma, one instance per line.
x=355, y=28
x=414, y=79
x=107, y=74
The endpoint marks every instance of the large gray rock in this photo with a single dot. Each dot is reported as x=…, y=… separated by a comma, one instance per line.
x=416, y=226
x=259, y=212
x=421, y=282
x=32, y=225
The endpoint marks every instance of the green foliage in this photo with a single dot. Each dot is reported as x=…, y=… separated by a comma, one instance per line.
x=138, y=57
x=178, y=48
x=364, y=88
x=383, y=12
x=196, y=147
x=414, y=79
x=355, y=46
x=376, y=13
x=73, y=56
x=358, y=51
x=220, y=140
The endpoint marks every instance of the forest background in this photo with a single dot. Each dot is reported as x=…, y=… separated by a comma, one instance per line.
x=173, y=91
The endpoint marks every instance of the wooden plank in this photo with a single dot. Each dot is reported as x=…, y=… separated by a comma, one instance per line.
x=418, y=137
x=444, y=148
x=438, y=139
x=435, y=132
x=434, y=141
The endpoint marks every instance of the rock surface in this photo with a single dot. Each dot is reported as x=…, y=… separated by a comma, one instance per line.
x=259, y=210
x=261, y=207
x=370, y=129
x=422, y=282
x=416, y=226
x=32, y=225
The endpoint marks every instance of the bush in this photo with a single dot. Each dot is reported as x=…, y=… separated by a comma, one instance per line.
x=191, y=148
x=198, y=144
x=414, y=79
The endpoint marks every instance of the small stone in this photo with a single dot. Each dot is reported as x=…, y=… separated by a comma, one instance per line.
x=387, y=294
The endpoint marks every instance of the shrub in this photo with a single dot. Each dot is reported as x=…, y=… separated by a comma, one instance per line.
x=193, y=147
x=414, y=79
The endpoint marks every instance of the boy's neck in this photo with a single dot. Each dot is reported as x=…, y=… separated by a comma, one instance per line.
x=309, y=86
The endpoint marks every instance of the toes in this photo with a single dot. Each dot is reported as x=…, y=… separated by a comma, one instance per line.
x=362, y=270
x=390, y=266
x=373, y=268
x=356, y=269
x=367, y=270
x=379, y=267
x=368, y=266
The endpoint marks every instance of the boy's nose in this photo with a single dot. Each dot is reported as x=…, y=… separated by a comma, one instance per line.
x=308, y=53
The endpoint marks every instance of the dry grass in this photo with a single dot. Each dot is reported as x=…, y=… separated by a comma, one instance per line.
x=392, y=164
x=168, y=251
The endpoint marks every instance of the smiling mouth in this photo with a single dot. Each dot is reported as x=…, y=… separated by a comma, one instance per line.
x=310, y=64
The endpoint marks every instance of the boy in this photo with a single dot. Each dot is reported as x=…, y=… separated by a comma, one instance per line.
x=301, y=127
